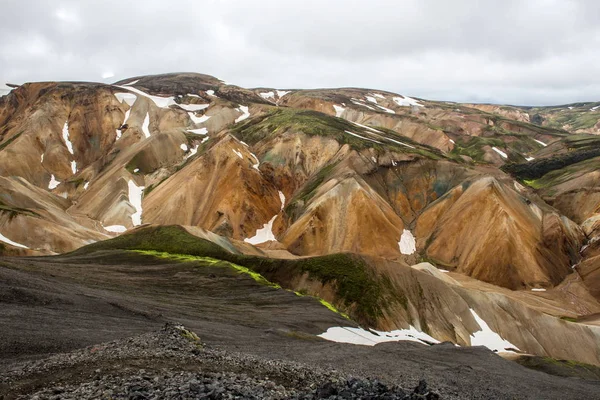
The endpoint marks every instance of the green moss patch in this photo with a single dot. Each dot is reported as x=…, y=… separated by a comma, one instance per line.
x=362, y=293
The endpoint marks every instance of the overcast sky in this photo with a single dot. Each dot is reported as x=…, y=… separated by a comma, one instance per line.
x=519, y=52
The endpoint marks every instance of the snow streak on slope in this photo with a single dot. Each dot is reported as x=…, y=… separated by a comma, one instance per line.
x=282, y=199
x=255, y=166
x=199, y=131
x=146, y=125
x=281, y=93
x=65, y=135
x=238, y=153
x=373, y=337
x=267, y=95
x=362, y=137
x=74, y=167
x=540, y=142
x=7, y=240
x=407, y=243
x=503, y=154
x=135, y=198
x=488, y=338
x=244, y=110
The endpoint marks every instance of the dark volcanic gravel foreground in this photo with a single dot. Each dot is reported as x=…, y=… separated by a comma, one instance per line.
x=173, y=364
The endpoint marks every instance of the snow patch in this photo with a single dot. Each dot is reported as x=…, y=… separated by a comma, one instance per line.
x=128, y=98
x=372, y=337
x=135, y=198
x=161, y=102
x=205, y=140
x=74, y=167
x=529, y=158
x=132, y=83
x=338, y=110
x=86, y=185
x=42, y=158
x=115, y=228
x=7, y=240
x=211, y=93
x=406, y=101
x=245, y=113
x=146, y=125
x=135, y=171
x=267, y=95
x=199, y=131
x=53, y=183
x=488, y=338
x=538, y=290
x=503, y=154
x=452, y=141
x=371, y=99
x=183, y=147
x=263, y=235
x=378, y=95
x=407, y=243
x=281, y=93
x=362, y=137
x=65, y=135
x=594, y=108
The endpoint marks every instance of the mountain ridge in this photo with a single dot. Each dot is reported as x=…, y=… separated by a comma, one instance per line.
x=293, y=174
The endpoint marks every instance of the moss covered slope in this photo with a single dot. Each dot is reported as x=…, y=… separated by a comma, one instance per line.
x=358, y=291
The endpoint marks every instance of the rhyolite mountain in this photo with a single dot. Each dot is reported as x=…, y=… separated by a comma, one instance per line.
x=399, y=211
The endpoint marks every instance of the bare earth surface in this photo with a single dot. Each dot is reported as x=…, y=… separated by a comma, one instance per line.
x=55, y=305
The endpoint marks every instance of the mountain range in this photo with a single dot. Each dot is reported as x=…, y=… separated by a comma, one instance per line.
x=403, y=214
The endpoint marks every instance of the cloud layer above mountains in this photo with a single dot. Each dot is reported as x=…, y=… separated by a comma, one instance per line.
x=535, y=52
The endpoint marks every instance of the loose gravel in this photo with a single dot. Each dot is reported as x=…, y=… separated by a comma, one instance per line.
x=172, y=363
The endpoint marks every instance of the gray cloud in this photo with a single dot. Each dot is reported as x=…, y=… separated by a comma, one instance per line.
x=533, y=52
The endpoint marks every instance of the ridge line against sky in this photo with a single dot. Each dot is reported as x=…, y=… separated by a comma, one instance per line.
x=539, y=52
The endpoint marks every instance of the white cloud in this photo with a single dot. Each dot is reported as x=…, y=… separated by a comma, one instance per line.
x=536, y=52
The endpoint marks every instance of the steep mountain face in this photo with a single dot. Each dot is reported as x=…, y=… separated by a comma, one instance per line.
x=505, y=203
